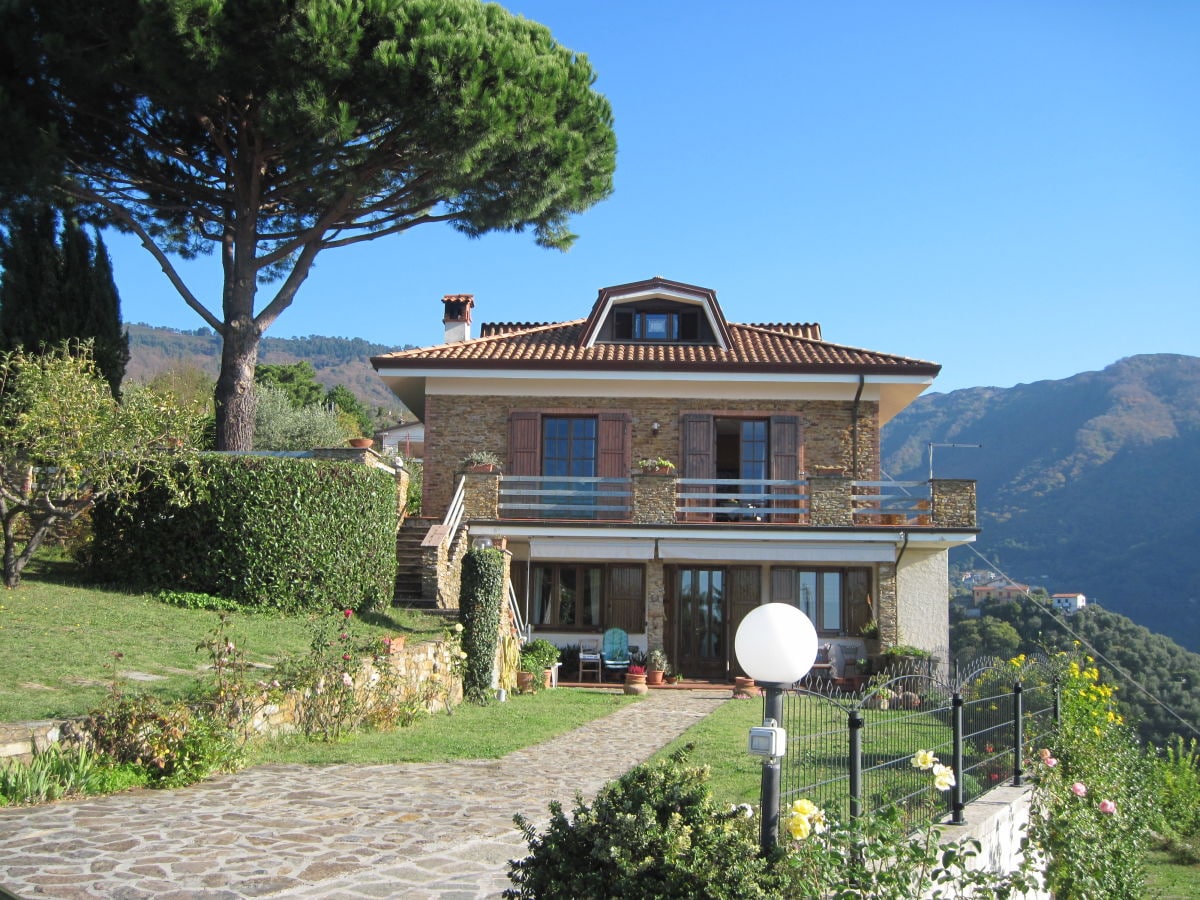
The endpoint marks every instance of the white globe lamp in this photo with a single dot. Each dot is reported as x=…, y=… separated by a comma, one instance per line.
x=776, y=644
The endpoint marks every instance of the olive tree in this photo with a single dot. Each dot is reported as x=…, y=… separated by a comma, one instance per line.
x=65, y=443
x=269, y=132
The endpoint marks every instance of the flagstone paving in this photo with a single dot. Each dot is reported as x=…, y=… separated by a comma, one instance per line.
x=439, y=831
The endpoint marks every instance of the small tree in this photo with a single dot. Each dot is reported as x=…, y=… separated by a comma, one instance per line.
x=66, y=443
x=281, y=425
x=480, y=597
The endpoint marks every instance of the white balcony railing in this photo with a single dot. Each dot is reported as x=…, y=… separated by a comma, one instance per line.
x=891, y=502
x=559, y=497
x=739, y=500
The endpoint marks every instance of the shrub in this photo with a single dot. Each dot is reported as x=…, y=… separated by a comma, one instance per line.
x=1175, y=784
x=173, y=743
x=1093, y=806
x=655, y=832
x=283, y=534
x=480, y=596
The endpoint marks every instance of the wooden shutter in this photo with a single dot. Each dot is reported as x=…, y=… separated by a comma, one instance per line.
x=626, y=606
x=613, y=452
x=613, y=445
x=785, y=463
x=745, y=593
x=783, y=586
x=525, y=443
x=698, y=451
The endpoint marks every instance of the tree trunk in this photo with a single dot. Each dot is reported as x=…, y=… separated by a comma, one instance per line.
x=235, y=387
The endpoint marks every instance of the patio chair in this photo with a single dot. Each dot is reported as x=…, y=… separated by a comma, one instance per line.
x=589, y=659
x=615, y=655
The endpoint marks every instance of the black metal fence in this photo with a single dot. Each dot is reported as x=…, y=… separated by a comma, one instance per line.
x=852, y=753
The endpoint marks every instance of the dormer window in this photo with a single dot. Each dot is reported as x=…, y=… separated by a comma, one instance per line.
x=655, y=325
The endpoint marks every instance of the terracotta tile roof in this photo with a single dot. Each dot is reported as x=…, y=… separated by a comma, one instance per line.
x=778, y=347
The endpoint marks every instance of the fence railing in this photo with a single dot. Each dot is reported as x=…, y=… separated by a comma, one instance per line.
x=742, y=499
x=892, y=502
x=561, y=497
x=852, y=754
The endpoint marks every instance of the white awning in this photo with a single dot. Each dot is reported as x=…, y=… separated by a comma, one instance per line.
x=587, y=549
x=775, y=551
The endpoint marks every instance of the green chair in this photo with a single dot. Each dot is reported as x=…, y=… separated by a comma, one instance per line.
x=615, y=653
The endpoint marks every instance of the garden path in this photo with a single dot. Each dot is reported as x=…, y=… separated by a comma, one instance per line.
x=439, y=831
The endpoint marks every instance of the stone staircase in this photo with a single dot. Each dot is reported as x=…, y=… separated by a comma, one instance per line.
x=408, y=561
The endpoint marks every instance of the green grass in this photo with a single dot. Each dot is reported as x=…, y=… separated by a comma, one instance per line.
x=1168, y=880
x=57, y=641
x=471, y=732
x=736, y=776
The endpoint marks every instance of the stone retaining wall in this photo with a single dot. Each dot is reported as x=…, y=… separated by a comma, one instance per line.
x=414, y=667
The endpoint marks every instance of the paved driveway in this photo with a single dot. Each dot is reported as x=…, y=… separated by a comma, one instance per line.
x=413, y=830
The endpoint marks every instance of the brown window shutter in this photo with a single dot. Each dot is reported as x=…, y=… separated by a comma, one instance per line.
x=783, y=586
x=626, y=599
x=525, y=443
x=745, y=592
x=785, y=462
x=613, y=445
x=698, y=439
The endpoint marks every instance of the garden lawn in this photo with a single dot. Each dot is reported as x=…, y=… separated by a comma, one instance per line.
x=720, y=742
x=469, y=732
x=58, y=640
x=1170, y=880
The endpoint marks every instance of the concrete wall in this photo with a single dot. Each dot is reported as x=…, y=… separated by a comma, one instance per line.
x=923, y=605
x=998, y=821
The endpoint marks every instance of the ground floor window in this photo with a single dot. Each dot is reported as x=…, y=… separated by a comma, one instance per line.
x=586, y=597
x=834, y=599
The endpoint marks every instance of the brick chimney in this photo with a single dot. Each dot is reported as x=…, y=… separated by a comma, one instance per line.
x=457, y=317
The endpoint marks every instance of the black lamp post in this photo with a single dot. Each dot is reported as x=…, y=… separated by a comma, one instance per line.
x=776, y=645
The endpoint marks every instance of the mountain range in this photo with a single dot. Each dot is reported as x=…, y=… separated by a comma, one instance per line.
x=1084, y=484
x=345, y=361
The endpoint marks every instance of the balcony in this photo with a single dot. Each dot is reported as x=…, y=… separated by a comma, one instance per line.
x=555, y=497
x=820, y=501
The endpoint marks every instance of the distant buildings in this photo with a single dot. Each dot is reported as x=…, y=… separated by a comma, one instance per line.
x=1068, y=603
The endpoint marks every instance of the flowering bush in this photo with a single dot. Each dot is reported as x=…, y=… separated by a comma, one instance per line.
x=1092, y=806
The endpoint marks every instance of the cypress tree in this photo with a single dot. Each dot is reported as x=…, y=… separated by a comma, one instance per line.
x=52, y=291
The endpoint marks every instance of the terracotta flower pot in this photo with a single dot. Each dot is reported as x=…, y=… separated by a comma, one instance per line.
x=361, y=443
x=524, y=682
x=635, y=684
x=744, y=687
x=654, y=677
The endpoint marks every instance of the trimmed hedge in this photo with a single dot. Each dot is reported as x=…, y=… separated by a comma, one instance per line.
x=480, y=599
x=284, y=533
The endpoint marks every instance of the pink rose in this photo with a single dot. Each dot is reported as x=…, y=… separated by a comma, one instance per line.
x=347, y=613
x=1051, y=761
x=1108, y=807
x=1079, y=789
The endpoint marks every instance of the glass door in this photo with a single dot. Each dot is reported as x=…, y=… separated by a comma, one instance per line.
x=703, y=641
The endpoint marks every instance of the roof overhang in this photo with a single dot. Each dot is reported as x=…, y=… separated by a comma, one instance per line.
x=412, y=384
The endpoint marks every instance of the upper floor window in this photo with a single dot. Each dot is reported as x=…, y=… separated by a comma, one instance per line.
x=569, y=445
x=655, y=325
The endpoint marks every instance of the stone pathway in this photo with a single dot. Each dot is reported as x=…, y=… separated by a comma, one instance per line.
x=439, y=831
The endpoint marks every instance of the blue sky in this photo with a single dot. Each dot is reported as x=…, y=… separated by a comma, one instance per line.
x=1009, y=189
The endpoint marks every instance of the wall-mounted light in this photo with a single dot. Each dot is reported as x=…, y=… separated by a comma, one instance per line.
x=482, y=543
x=655, y=427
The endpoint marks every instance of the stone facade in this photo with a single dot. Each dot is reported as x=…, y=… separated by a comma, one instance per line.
x=455, y=425
x=954, y=503
x=653, y=499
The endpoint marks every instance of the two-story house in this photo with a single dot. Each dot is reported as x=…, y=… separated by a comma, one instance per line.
x=775, y=495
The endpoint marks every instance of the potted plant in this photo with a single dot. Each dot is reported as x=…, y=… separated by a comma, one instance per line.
x=656, y=465
x=538, y=658
x=361, y=443
x=905, y=659
x=635, y=679
x=481, y=461
x=656, y=666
